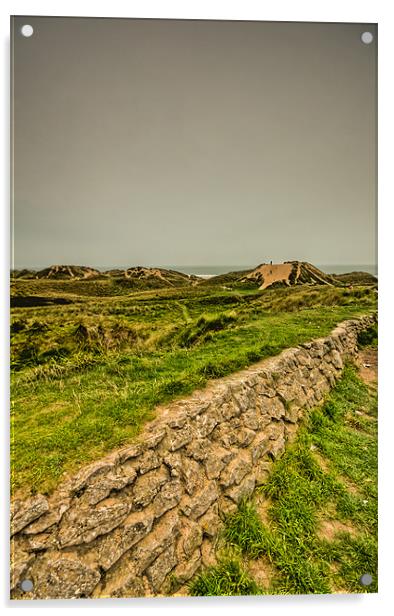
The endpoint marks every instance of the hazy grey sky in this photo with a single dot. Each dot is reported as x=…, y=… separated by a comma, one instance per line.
x=157, y=142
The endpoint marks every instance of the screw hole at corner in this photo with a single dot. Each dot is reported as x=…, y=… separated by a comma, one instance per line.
x=366, y=579
x=27, y=585
x=27, y=30
x=367, y=38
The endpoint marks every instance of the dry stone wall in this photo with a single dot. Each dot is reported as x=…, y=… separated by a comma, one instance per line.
x=143, y=520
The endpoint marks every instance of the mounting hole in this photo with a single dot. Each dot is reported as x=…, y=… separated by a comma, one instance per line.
x=27, y=30
x=367, y=38
x=366, y=579
x=27, y=585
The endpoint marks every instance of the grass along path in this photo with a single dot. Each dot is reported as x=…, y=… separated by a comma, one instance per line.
x=312, y=528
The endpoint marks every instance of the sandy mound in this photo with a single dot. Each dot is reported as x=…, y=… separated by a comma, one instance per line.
x=289, y=273
x=68, y=272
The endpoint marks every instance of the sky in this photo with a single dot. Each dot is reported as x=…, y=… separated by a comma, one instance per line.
x=154, y=142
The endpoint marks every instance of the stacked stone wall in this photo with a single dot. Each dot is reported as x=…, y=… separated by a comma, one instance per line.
x=143, y=520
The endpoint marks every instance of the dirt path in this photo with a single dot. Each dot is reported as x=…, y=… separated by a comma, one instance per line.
x=368, y=365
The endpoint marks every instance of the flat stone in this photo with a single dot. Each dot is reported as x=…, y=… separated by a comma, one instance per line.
x=84, y=476
x=216, y=460
x=190, y=538
x=22, y=513
x=57, y=577
x=148, y=461
x=205, y=423
x=243, y=490
x=147, y=486
x=48, y=519
x=194, y=506
x=83, y=525
x=164, y=534
x=185, y=570
x=176, y=439
x=168, y=497
x=236, y=470
x=210, y=521
x=135, y=527
x=103, y=486
x=161, y=567
x=259, y=447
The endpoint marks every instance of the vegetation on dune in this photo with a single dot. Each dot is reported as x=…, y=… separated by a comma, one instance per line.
x=86, y=375
x=313, y=525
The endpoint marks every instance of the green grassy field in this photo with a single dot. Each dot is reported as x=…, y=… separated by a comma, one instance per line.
x=87, y=374
x=312, y=528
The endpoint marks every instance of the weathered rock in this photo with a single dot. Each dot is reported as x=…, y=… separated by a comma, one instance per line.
x=217, y=459
x=57, y=577
x=261, y=472
x=210, y=521
x=22, y=513
x=123, y=584
x=229, y=410
x=259, y=447
x=163, y=564
x=41, y=542
x=101, y=487
x=147, y=486
x=148, y=461
x=192, y=474
x=19, y=565
x=336, y=360
x=45, y=521
x=131, y=452
x=185, y=570
x=176, y=439
x=83, y=525
x=190, y=539
x=236, y=470
x=274, y=407
x=135, y=527
x=85, y=476
x=164, y=534
x=197, y=449
x=168, y=497
x=205, y=423
x=154, y=437
x=243, y=490
x=194, y=506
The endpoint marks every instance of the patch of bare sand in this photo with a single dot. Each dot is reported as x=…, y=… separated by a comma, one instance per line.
x=270, y=273
x=263, y=505
x=368, y=366
x=262, y=571
x=328, y=529
x=321, y=460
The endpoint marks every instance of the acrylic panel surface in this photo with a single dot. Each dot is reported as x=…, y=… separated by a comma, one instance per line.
x=193, y=308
